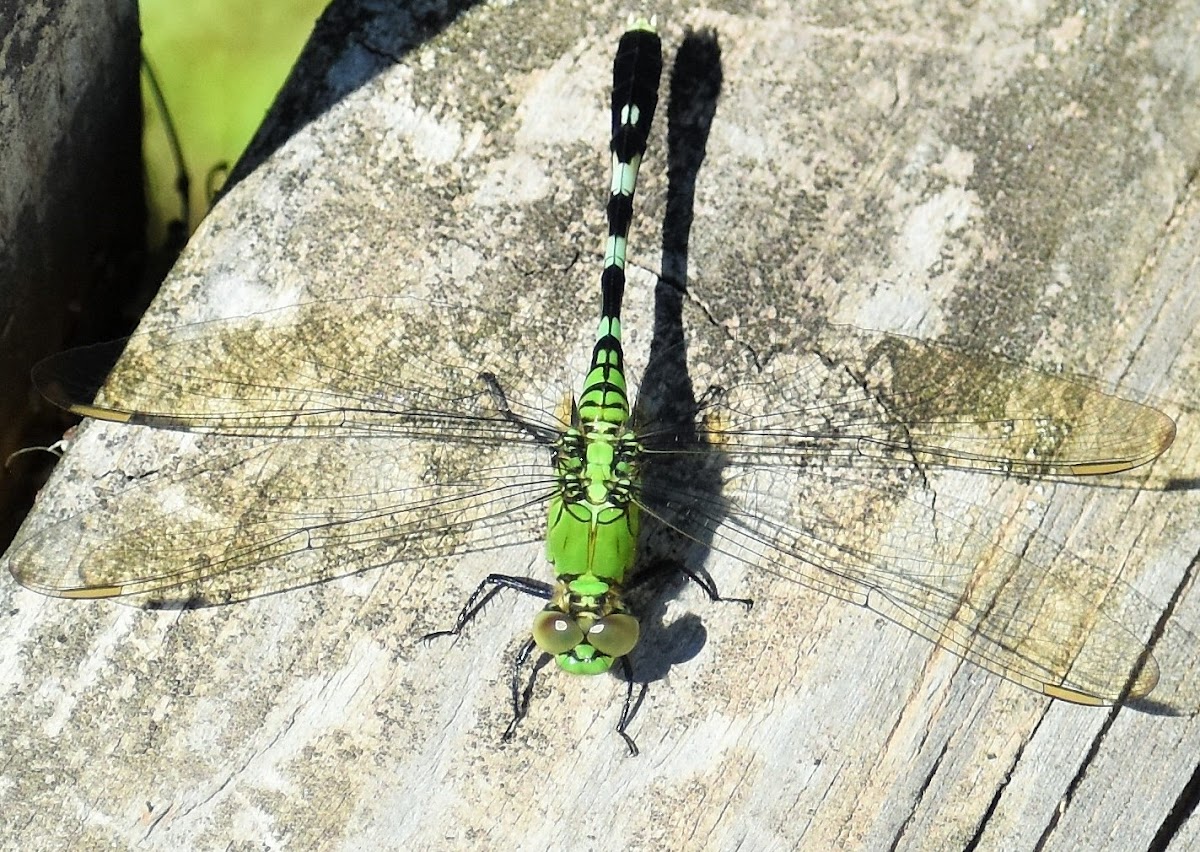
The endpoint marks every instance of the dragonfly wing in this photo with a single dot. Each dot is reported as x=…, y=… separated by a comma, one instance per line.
x=872, y=398
x=263, y=516
x=814, y=467
x=398, y=365
x=422, y=438
x=1006, y=599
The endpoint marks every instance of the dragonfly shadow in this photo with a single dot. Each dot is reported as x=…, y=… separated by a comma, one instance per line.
x=1182, y=483
x=1151, y=707
x=663, y=644
x=667, y=407
x=1139, y=479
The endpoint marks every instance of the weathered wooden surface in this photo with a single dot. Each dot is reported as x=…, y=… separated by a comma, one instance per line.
x=71, y=204
x=1018, y=180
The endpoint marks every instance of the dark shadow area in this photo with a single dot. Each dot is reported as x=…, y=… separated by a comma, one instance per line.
x=1190, y=483
x=667, y=408
x=73, y=249
x=1151, y=707
x=352, y=42
x=1131, y=480
x=1159, y=475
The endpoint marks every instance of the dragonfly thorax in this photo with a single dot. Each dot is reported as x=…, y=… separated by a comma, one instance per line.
x=593, y=520
x=591, y=537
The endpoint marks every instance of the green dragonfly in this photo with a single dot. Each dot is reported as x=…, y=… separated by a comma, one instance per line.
x=811, y=463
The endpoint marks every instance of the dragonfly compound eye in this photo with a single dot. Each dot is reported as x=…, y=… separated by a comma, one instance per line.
x=555, y=632
x=614, y=635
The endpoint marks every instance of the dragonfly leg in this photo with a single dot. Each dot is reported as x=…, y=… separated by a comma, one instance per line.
x=709, y=585
x=628, y=708
x=659, y=567
x=538, y=433
x=521, y=697
x=484, y=592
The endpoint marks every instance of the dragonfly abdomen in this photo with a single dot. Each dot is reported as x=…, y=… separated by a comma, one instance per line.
x=636, y=72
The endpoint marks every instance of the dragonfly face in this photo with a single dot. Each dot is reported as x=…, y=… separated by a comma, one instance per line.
x=585, y=626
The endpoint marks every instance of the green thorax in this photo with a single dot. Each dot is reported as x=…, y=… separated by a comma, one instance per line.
x=593, y=523
x=593, y=520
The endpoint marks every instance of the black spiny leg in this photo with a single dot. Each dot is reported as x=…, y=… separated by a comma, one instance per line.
x=627, y=709
x=484, y=592
x=539, y=433
x=709, y=585
x=662, y=566
x=522, y=697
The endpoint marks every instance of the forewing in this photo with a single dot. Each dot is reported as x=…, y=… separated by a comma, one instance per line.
x=353, y=433
x=258, y=517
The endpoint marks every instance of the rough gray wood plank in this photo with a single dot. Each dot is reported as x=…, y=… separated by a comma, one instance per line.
x=1020, y=181
x=71, y=204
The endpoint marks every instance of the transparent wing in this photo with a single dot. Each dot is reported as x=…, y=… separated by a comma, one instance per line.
x=1020, y=607
x=423, y=440
x=399, y=366
x=266, y=517
x=815, y=471
x=870, y=397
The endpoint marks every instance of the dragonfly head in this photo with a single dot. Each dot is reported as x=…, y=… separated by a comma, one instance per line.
x=585, y=632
